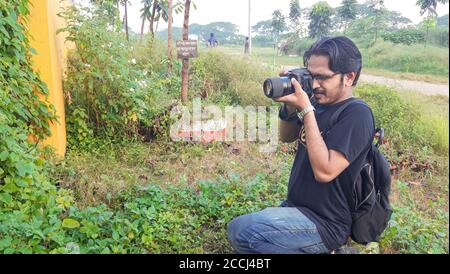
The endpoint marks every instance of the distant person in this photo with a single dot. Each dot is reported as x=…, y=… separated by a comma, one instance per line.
x=247, y=45
x=212, y=41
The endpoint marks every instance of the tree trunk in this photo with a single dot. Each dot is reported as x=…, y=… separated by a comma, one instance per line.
x=126, y=20
x=249, y=27
x=169, y=39
x=142, y=28
x=157, y=24
x=152, y=18
x=185, y=68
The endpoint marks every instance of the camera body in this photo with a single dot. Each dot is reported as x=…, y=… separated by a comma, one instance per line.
x=281, y=86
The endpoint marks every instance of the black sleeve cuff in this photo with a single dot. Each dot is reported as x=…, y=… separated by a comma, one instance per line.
x=288, y=118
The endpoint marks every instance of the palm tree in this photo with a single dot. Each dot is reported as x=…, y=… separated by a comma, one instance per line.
x=146, y=14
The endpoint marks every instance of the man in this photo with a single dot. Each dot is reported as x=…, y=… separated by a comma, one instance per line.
x=247, y=46
x=316, y=217
x=212, y=41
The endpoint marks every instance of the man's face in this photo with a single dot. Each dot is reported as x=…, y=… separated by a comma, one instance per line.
x=328, y=86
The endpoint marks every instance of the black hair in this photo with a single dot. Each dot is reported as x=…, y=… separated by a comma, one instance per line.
x=344, y=55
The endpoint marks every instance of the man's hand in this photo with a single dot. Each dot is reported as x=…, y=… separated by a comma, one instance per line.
x=298, y=100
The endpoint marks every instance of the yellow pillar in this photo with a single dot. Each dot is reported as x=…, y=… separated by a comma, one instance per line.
x=49, y=61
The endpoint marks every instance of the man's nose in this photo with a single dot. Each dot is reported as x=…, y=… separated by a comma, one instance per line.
x=315, y=84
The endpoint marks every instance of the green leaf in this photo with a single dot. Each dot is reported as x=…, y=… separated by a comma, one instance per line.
x=70, y=223
x=5, y=243
x=6, y=198
x=4, y=155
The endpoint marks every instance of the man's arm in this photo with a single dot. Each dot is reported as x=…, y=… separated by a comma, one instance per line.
x=326, y=164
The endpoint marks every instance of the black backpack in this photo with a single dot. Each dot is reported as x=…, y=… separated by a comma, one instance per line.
x=371, y=210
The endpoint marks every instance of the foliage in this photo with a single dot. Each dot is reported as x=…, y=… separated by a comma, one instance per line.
x=347, y=11
x=228, y=80
x=295, y=15
x=413, y=231
x=395, y=116
x=278, y=24
x=404, y=58
x=405, y=36
x=320, y=16
x=29, y=203
x=113, y=91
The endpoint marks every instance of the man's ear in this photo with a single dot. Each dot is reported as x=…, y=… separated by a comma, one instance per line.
x=349, y=79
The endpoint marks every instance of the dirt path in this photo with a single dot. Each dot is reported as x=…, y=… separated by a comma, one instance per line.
x=423, y=87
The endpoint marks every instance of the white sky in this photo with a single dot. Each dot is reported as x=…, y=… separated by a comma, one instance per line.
x=236, y=11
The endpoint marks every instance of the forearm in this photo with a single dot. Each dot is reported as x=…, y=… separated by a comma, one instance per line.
x=318, y=153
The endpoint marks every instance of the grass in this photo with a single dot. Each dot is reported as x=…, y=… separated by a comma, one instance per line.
x=167, y=197
x=371, y=66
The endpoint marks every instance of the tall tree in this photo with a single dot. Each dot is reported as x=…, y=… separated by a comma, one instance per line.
x=278, y=24
x=348, y=12
x=295, y=16
x=429, y=6
x=320, y=19
x=380, y=15
x=125, y=4
x=185, y=67
x=146, y=14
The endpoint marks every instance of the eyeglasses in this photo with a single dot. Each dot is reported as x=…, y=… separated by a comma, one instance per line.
x=322, y=78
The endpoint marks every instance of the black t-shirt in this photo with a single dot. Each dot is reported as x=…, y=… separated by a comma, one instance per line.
x=328, y=204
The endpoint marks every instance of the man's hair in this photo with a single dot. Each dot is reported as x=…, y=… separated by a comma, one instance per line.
x=344, y=55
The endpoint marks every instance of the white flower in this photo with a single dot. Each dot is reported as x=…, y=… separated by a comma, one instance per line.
x=87, y=65
x=133, y=61
x=131, y=89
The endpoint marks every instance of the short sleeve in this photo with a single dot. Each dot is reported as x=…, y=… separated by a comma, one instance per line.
x=353, y=131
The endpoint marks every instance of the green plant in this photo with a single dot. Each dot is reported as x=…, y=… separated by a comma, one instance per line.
x=405, y=127
x=227, y=80
x=405, y=36
x=414, y=231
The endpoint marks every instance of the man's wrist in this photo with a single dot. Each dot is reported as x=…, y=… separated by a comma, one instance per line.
x=301, y=114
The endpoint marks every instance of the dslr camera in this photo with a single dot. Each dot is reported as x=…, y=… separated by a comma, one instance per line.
x=282, y=86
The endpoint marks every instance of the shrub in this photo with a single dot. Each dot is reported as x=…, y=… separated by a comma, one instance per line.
x=30, y=205
x=113, y=91
x=404, y=58
x=228, y=80
x=405, y=127
x=405, y=36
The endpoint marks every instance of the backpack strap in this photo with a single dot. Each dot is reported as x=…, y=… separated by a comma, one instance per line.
x=335, y=117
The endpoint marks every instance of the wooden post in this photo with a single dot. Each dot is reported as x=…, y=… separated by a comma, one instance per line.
x=169, y=39
x=185, y=68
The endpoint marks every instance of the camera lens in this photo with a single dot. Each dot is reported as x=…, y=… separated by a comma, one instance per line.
x=277, y=87
x=268, y=88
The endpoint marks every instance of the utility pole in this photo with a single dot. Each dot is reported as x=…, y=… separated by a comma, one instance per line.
x=169, y=38
x=249, y=26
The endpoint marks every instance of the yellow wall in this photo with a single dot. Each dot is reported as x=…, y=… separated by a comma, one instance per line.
x=49, y=61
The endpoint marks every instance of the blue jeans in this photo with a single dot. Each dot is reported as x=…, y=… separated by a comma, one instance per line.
x=275, y=230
